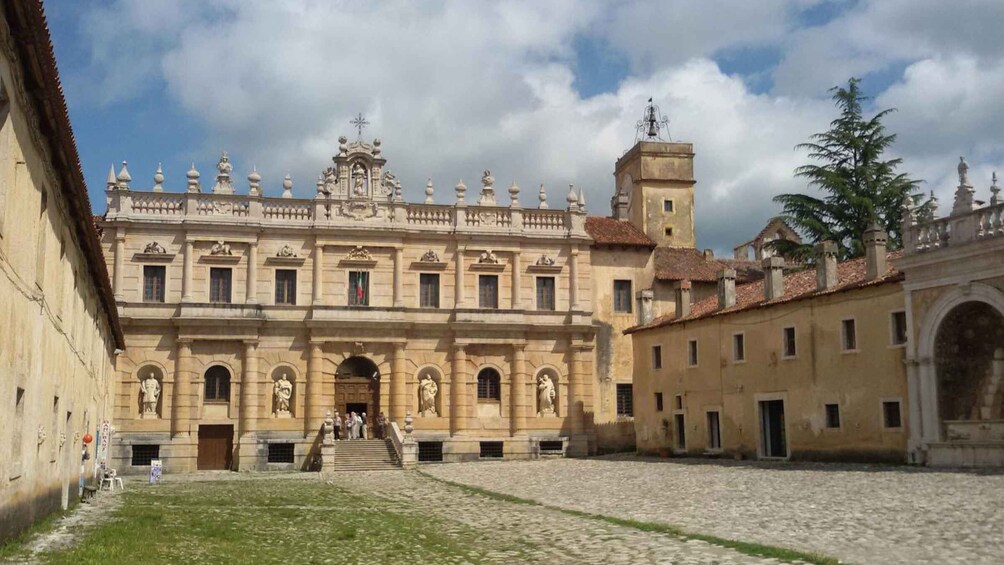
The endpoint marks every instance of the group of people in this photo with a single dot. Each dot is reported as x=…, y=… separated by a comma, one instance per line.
x=355, y=426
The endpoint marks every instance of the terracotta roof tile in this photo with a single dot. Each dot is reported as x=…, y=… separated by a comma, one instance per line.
x=609, y=231
x=687, y=263
x=797, y=286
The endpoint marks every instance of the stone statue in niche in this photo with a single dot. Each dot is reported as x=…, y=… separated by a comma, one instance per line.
x=286, y=252
x=358, y=180
x=427, y=389
x=488, y=258
x=150, y=390
x=545, y=395
x=155, y=248
x=430, y=256
x=220, y=248
x=282, y=391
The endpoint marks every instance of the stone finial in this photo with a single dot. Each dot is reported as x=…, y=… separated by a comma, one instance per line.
x=193, y=179
x=826, y=265
x=461, y=190
x=223, y=185
x=487, y=197
x=995, y=191
x=726, y=288
x=572, y=198
x=158, y=179
x=908, y=215
x=287, y=186
x=773, y=278
x=964, y=202
x=111, y=183
x=582, y=200
x=876, y=241
x=429, y=192
x=124, y=178
x=254, y=182
x=542, y=196
x=514, y=195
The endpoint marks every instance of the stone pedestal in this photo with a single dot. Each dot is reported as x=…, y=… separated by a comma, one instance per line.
x=284, y=414
x=149, y=416
x=327, y=457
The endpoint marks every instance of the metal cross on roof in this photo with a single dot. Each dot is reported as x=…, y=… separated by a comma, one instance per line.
x=360, y=122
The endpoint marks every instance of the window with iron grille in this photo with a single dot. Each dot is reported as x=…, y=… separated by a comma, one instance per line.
x=430, y=451
x=217, y=384
x=622, y=296
x=488, y=291
x=625, y=402
x=428, y=286
x=491, y=450
x=551, y=445
x=142, y=455
x=359, y=288
x=545, y=293
x=219, y=285
x=153, y=283
x=489, y=385
x=280, y=453
x=285, y=286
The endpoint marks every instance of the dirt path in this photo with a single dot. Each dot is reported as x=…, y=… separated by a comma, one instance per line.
x=72, y=527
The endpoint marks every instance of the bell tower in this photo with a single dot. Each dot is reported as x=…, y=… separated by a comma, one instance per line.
x=655, y=184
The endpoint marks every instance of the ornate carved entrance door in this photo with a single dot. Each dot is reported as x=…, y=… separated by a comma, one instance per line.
x=352, y=395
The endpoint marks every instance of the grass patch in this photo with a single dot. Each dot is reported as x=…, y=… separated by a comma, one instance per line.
x=747, y=548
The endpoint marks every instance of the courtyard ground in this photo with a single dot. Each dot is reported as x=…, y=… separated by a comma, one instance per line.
x=858, y=513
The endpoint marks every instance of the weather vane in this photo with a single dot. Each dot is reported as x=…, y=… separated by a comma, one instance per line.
x=360, y=122
x=650, y=127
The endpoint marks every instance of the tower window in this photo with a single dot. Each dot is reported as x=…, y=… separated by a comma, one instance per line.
x=667, y=205
x=669, y=232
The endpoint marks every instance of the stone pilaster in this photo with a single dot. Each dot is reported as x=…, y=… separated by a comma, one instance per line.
x=318, y=283
x=517, y=395
x=120, y=237
x=399, y=280
x=186, y=277
x=249, y=389
x=517, y=281
x=458, y=289
x=458, y=390
x=573, y=282
x=252, y=278
x=312, y=408
x=182, y=406
x=398, y=396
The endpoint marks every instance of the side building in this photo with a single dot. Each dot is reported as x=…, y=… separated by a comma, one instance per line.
x=60, y=327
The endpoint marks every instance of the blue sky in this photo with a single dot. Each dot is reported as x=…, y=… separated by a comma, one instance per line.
x=537, y=92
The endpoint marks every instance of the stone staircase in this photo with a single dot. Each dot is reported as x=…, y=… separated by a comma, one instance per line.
x=365, y=455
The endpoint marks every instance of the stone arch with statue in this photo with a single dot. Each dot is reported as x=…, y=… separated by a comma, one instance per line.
x=357, y=387
x=282, y=390
x=546, y=382
x=151, y=388
x=429, y=391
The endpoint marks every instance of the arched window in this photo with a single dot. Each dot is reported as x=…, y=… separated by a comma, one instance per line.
x=489, y=385
x=217, y=384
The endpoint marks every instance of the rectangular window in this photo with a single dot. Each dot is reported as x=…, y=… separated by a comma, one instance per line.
x=488, y=291
x=428, y=290
x=692, y=353
x=285, y=286
x=622, y=296
x=667, y=205
x=668, y=231
x=679, y=425
x=359, y=288
x=678, y=402
x=832, y=415
x=142, y=455
x=280, y=453
x=491, y=449
x=738, y=347
x=219, y=285
x=153, y=283
x=714, y=431
x=848, y=333
x=658, y=402
x=789, y=342
x=656, y=356
x=545, y=293
x=891, y=417
x=625, y=401
x=430, y=452
x=898, y=328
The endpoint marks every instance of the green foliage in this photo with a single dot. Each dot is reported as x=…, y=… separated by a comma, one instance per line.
x=859, y=186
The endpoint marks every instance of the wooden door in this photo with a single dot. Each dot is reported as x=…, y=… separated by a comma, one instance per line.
x=357, y=396
x=216, y=445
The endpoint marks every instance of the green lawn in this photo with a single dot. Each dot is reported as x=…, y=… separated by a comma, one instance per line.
x=270, y=521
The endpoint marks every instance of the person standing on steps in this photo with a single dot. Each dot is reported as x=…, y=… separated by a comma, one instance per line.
x=338, y=427
x=381, y=426
x=362, y=425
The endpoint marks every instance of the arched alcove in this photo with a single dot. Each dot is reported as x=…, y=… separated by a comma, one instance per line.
x=150, y=398
x=546, y=391
x=357, y=387
x=428, y=392
x=216, y=387
x=964, y=347
x=283, y=391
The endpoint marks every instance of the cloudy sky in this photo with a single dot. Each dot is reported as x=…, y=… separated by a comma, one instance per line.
x=538, y=92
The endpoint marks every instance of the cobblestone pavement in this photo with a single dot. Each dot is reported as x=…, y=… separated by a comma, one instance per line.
x=858, y=513
x=534, y=533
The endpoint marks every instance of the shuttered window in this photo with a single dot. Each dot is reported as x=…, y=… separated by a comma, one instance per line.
x=153, y=283
x=622, y=297
x=285, y=286
x=488, y=291
x=428, y=287
x=545, y=293
x=219, y=285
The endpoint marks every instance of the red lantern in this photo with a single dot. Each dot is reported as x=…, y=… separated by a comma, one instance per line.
x=88, y=438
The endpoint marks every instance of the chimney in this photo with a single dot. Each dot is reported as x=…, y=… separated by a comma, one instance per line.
x=709, y=254
x=826, y=265
x=875, y=240
x=619, y=205
x=682, y=293
x=645, y=298
x=773, y=278
x=726, y=288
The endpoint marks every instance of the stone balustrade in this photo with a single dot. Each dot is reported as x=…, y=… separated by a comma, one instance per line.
x=958, y=229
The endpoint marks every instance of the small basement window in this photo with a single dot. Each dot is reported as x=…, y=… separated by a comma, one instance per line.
x=491, y=449
x=430, y=451
x=551, y=446
x=280, y=453
x=142, y=455
x=832, y=416
x=891, y=415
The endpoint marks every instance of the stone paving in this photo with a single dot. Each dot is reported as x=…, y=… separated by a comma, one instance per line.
x=541, y=535
x=857, y=513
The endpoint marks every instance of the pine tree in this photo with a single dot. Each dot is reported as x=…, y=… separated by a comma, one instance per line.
x=859, y=186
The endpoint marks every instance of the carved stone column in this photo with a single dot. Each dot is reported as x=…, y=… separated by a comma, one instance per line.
x=517, y=395
x=186, y=277
x=318, y=273
x=182, y=405
x=312, y=400
x=252, y=280
x=575, y=398
x=458, y=390
x=573, y=279
x=249, y=389
x=398, y=396
x=119, y=264
x=399, y=280
x=458, y=288
x=517, y=281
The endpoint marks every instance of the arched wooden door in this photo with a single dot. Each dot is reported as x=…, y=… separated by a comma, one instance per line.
x=357, y=389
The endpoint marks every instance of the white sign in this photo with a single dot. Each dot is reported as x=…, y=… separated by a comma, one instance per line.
x=106, y=433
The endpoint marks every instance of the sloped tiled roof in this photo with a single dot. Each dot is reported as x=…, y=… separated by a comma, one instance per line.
x=610, y=231
x=797, y=286
x=687, y=263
